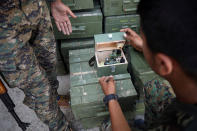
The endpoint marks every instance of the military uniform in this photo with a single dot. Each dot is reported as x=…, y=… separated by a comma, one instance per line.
x=28, y=57
x=163, y=112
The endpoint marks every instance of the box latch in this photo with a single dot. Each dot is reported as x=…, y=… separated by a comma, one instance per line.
x=113, y=68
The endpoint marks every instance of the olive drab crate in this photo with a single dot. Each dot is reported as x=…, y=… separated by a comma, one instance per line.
x=86, y=93
x=79, y=4
x=85, y=25
x=115, y=23
x=119, y=7
x=73, y=44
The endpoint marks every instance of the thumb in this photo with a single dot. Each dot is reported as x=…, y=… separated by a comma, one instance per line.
x=128, y=37
x=71, y=13
x=111, y=79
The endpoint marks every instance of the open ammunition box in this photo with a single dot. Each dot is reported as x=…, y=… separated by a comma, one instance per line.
x=110, y=58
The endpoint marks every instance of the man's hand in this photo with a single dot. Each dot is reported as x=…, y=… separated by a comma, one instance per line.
x=108, y=85
x=135, y=40
x=60, y=13
x=118, y=120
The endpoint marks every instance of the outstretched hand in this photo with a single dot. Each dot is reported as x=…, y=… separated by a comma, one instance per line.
x=60, y=13
x=135, y=40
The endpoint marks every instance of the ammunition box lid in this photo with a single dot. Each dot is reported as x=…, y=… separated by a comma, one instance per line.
x=109, y=41
x=109, y=37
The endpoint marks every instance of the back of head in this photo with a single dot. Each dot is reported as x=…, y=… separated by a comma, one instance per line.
x=170, y=27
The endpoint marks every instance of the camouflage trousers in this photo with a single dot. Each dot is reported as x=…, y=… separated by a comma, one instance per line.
x=28, y=57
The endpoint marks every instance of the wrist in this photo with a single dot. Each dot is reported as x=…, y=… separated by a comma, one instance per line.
x=109, y=93
x=112, y=101
x=109, y=98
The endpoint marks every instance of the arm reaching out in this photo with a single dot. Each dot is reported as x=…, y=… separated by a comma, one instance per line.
x=135, y=40
x=60, y=13
x=118, y=120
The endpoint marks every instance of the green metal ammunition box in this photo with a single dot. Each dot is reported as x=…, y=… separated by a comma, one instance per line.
x=86, y=93
x=74, y=44
x=104, y=44
x=139, y=70
x=75, y=5
x=81, y=55
x=79, y=4
x=115, y=23
x=119, y=7
x=67, y=45
x=139, y=64
x=85, y=25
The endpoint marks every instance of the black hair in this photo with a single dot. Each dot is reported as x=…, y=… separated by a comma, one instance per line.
x=170, y=27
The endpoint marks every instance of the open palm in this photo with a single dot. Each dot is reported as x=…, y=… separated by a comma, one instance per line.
x=60, y=13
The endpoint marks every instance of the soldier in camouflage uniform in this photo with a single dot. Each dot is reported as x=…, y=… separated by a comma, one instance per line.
x=168, y=41
x=28, y=57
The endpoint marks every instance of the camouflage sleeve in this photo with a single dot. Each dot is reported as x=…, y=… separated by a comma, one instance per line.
x=158, y=95
x=162, y=111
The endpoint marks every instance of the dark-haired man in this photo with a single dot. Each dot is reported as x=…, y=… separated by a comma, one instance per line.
x=168, y=31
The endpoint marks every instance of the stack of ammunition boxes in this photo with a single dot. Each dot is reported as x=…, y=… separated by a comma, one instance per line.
x=119, y=14
x=97, y=17
x=86, y=93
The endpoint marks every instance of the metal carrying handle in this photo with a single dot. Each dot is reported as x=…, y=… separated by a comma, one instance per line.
x=136, y=1
x=127, y=2
x=71, y=5
x=125, y=26
x=78, y=28
x=130, y=9
x=102, y=114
